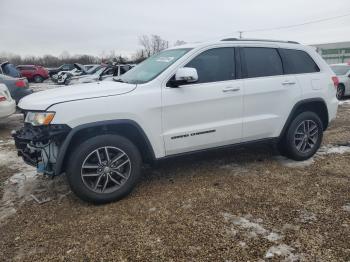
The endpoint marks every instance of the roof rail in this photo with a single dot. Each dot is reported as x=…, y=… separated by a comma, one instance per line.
x=260, y=40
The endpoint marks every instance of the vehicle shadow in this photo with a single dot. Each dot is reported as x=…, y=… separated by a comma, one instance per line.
x=189, y=164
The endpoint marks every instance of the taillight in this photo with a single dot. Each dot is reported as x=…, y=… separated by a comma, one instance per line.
x=335, y=81
x=20, y=83
x=3, y=98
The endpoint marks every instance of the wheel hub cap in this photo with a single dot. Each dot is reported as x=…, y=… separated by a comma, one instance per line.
x=105, y=169
x=306, y=136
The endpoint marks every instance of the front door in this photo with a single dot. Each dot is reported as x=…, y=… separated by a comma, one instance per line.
x=207, y=113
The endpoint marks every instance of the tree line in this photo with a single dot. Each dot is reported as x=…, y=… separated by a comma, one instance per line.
x=150, y=45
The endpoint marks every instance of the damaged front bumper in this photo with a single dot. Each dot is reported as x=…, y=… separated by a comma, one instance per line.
x=39, y=145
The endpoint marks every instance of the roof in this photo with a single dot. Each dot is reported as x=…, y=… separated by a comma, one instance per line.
x=267, y=42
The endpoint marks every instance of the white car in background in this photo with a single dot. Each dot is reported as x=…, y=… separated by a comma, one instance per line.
x=7, y=104
x=343, y=73
x=100, y=75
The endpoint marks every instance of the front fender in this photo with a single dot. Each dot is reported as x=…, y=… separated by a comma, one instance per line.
x=71, y=136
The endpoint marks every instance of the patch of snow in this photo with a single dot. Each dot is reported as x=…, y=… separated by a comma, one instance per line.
x=324, y=150
x=273, y=237
x=7, y=142
x=344, y=102
x=11, y=160
x=254, y=229
x=292, y=163
x=23, y=183
x=17, y=190
x=346, y=207
x=282, y=250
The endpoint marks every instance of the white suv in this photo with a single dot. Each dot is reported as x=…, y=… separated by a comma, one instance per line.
x=343, y=73
x=184, y=99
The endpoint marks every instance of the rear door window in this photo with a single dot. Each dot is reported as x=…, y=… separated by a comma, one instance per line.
x=262, y=61
x=298, y=62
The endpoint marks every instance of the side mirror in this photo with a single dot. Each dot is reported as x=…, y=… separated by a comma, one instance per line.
x=184, y=75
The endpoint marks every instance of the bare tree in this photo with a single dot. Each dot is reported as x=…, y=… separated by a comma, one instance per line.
x=145, y=42
x=152, y=44
x=179, y=42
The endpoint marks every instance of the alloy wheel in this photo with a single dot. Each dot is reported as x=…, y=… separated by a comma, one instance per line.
x=340, y=92
x=105, y=169
x=306, y=136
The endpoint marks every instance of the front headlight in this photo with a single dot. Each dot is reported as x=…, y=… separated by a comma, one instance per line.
x=39, y=118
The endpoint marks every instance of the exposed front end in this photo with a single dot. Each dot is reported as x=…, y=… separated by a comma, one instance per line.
x=38, y=143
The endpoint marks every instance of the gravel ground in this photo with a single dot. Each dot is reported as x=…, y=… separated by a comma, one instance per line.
x=243, y=204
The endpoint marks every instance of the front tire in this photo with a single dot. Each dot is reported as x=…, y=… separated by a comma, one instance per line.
x=304, y=136
x=104, y=168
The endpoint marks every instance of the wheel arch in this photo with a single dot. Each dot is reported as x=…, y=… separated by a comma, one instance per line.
x=124, y=127
x=316, y=105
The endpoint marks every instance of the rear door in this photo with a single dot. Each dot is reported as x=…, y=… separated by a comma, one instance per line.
x=207, y=113
x=269, y=95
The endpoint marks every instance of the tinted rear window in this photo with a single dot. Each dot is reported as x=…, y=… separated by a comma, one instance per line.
x=298, y=62
x=261, y=61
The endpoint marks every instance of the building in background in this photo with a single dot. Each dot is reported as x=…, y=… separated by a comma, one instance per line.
x=334, y=53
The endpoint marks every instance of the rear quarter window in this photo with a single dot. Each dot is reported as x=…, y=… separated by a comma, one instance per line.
x=298, y=62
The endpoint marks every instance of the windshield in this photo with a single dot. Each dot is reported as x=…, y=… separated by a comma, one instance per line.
x=340, y=70
x=153, y=66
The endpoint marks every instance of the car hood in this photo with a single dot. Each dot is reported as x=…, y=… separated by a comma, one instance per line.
x=44, y=99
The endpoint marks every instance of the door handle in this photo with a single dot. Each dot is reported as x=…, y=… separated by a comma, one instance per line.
x=287, y=82
x=230, y=89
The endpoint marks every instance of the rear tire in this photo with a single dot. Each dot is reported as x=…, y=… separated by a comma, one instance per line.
x=38, y=79
x=93, y=171
x=304, y=136
x=340, y=92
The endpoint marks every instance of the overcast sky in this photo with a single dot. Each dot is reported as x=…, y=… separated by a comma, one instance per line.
x=40, y=27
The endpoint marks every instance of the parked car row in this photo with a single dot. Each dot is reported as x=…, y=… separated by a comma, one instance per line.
x=90, y=73
x=103, y=73
x=63, y=77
